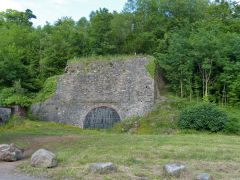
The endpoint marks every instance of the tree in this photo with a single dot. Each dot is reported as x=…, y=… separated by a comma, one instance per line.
x=100, y=33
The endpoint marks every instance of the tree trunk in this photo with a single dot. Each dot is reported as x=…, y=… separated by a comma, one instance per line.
x=181, y=85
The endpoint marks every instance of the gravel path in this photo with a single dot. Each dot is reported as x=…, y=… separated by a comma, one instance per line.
x=8, y=171
x=18, y=178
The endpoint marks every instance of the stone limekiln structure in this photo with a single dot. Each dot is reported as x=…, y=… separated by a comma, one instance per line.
x=98, y=94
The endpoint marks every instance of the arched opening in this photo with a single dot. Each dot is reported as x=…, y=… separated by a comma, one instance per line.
x=101, y=117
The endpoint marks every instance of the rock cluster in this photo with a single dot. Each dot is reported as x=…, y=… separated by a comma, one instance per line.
x=10, y=152
x=177, y=170
x=41, y=158
x=46, y=159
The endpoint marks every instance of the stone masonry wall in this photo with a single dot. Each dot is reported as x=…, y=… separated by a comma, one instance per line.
x=123, y=85
x=5, y=113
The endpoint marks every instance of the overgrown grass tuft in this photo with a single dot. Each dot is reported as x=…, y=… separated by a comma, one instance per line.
x=13, y=122
x=151, y=67
x=103, y=58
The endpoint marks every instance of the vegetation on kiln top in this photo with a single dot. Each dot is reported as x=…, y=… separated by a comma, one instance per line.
x=104, y=58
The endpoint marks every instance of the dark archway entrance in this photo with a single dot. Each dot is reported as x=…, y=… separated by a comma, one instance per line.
x=101, y=117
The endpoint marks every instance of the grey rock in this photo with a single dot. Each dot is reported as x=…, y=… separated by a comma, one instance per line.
x=140, y=178
x=102, y=167
x=43, y=158
x=5, y=113
x=175, y=170
x=204, y=177
x=10, y=152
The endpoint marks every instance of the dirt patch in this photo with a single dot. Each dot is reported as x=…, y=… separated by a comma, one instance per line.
x=45, y=142
x=10, y=169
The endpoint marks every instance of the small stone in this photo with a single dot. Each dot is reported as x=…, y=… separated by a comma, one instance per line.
x=175, y=170
x=203, y=177
x=43, y=158
x=140, y=176
x=10, y=152
x=102, y=167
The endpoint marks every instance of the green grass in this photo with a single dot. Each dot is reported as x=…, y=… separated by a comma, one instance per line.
x=134, y=155
x=151, y=67
x=139, y=147
x=103, y=58
x=162, y=120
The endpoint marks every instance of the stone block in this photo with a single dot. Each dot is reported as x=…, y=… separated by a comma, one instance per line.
x=204, y=177
x=174, y=170
x=102, y=167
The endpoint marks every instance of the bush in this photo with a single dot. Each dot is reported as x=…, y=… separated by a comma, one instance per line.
x=48, y=90
x=232, y=126
x=15, y=95
x=205, y=116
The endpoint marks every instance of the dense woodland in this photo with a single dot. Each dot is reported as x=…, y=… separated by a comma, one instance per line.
x=196, y=43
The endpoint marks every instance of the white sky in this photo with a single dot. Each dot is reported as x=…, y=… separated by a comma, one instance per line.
x=51, y=10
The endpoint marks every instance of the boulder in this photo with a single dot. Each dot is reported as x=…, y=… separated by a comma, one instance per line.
x=203, y=177
x=102, y=167
x=43, y=158
x=175, y=170
x=10, y=152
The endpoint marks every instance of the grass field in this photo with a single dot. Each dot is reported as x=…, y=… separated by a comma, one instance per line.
x=135, y=156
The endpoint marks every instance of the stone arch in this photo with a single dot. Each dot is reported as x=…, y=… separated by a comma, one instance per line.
x=101, y=117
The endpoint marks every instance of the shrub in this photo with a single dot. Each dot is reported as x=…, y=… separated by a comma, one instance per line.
x=15, y=95
x=232, y=126
x=205, y=116
x=48, y=90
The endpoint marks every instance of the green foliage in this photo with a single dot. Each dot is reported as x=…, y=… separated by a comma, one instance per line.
x=206, y=98
x=232, y=126
x=196, y=43
x=204, y=116
x=15, y=95
x=151, y=67
x=233, y=123
x=48, y=90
